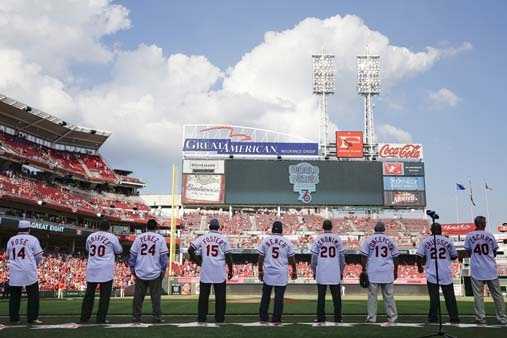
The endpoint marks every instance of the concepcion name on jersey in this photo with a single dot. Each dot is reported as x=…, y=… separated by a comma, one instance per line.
x=482, y=247
x=380, y=250
x=328, y=248
x=212, y=246
x=21, y=252
x=444, y=252
x=102, y=248
x=148, y=247
x=276, y=251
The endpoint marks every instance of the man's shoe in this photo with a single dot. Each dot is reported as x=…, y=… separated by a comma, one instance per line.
x=103, y=322
x=319, y=320
x=502, y=322
x=369, y=321
x=35, y=322
x=480, y=321
x=455, y=321
x=276, y=323
x=15, y=322
x=136, y=320
x=158, y=320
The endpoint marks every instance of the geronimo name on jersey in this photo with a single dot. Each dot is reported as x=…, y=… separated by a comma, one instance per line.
x=212, y=246
x=444, y=252
x=276, y=251
x=21, y=254
x=482, y=247
x=380, y=250
x=328, y=248
x=102, y=248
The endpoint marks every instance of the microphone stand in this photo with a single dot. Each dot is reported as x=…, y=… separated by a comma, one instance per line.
x=440, y=332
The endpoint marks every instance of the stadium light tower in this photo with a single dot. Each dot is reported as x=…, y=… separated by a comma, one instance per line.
x=368, y=85
x=324, y=84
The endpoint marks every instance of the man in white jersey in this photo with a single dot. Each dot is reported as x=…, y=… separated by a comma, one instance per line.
x=211, y=252
x=102, y=247
x=445, y=253
x=275, y=254
x=23, y=255
x=481, y=246
x=379, y=261
x=148, y=262
x=328, y=262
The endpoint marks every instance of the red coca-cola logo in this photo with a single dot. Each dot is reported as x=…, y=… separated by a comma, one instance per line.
x=405, y=151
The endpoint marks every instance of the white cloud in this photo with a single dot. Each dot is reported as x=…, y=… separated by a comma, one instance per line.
x=390, y=133
x=150, y=95
x=442, y=98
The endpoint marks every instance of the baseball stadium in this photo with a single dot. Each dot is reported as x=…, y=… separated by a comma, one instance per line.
x=245, y=179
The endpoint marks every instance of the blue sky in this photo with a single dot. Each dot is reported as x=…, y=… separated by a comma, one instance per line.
x=452, y=103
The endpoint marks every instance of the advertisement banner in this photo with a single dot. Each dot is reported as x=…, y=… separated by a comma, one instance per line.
x=413, y=169
x=394, y=169
x=404, y=198
x=349, y=144
x=404, y=183
x=203, y=189
x=400, y=152
x=203, y=167
x=229, y=147
x=458, y=228
x=502, y=228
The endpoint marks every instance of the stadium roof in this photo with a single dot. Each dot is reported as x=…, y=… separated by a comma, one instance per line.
x=23, y=118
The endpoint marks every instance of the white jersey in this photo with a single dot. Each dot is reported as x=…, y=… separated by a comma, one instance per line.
x=212, y=247
x=328, y=248
x=380, y=250
x=21, y=252
x=148, y=247
x=276, y=251
x=445, y=252
x=482, y=247
x=102, y=248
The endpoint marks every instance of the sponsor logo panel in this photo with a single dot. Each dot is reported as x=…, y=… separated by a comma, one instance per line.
x=404, y=198
x=457, y=228
x=400, y=152
x=349, y=144
x=404, y=183
x=203, y=189
x=229, y=147
x=394, y=168
x=414, y=169
x=203, y=166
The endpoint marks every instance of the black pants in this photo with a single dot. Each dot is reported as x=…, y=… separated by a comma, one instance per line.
x=202, y=308
x=321, y=302
x=450, y=302
x=89, y=298
x=32, y=311
x=266, y=298
x=155, y=286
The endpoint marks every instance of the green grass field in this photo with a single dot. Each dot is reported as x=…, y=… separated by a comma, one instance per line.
x=241, y=310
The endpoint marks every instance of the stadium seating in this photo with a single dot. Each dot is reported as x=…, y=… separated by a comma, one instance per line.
x=88, y=166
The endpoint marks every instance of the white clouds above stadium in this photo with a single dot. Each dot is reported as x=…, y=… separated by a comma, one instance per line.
x=149, y=95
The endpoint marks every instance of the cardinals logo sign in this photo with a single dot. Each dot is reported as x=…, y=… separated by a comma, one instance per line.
x=349, y=144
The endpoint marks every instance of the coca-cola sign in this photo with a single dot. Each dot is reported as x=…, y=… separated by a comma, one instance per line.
x=405, y=152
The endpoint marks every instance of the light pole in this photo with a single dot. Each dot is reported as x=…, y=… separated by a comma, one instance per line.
x=368, y=85
x=324, y=84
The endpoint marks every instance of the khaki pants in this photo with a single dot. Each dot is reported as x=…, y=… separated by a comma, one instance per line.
x=389, y=303
x=494, y=289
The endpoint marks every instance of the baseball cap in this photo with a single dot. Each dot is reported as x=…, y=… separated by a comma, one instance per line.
x=214, y=224
x=23, y=225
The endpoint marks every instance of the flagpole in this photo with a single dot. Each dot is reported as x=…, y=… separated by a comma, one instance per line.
x=457, y=208
x=471, y=200
x=487, y=202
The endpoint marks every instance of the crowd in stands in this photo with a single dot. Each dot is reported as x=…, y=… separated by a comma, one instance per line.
x=89, y=166
x=66, y=272
x=62, y=197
